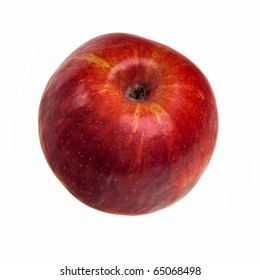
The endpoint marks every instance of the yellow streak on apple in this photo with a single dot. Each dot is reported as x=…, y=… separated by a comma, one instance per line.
x=135, y=122
x=161, y=116
x=200, y=94
x=157, y=111
x=136, y=118
x=98, y=61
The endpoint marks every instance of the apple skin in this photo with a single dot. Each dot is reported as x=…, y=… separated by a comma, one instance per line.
x=125, y=153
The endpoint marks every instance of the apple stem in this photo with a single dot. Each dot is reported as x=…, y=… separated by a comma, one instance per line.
x=137, y=93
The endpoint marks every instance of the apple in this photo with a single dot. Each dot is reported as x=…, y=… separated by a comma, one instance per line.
x=128, y=125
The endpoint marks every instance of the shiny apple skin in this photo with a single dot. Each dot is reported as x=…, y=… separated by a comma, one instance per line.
x=120, y=155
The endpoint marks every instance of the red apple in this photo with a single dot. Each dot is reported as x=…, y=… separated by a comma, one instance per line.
x=128, y=125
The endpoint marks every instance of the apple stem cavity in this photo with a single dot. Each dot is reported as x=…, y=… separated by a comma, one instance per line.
x=137, y=93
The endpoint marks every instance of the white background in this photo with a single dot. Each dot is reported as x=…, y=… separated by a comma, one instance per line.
x=216, y=226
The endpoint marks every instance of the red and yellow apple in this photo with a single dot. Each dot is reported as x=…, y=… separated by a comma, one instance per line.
x=128, y=125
